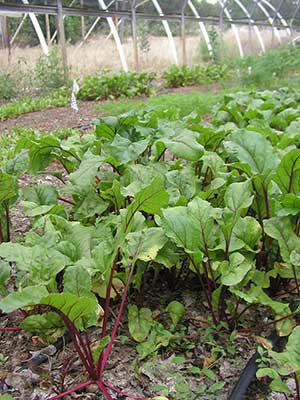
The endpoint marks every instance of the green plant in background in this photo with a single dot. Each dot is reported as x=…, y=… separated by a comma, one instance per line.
x=8, y=87
x=266, y=69
x=111, y=86
x=49, y=71
x=176, y=76
x=215, y=43
x=58, y=98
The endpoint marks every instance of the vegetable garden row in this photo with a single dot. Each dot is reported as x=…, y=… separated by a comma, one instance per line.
x=145, y=197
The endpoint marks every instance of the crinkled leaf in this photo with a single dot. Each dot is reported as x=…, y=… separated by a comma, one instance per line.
x=288, y=173
x=234, y=271
x=45, y=325
x=280, y=228
x=80, y=310
x=144, y=245
x=184, y=145
x=29, y=296
x=150, y=199
x=77, y=280
x=238, y=196
x=252, y=149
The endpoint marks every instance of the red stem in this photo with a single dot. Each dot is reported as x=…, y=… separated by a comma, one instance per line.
x=102, y=360
x=10, y=329
x=262, y=326
x=108, y=292
x=103, y=390
x=123, y=393
x=74, y=389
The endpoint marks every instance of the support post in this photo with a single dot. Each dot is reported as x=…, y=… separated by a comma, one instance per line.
x=47, y=26
x=62, y=38
x=134, y=35
x=182, y=31
x=82, y=21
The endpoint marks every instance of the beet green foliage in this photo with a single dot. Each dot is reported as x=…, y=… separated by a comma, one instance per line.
x=148, y=191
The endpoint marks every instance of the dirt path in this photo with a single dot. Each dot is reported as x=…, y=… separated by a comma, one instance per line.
x=66, y=117
x=53, y=118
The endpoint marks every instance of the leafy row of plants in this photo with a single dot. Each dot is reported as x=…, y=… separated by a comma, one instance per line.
x=149, y=194
x=268, y=68
x=59, y=98
x=110, y=86
x=176, y=76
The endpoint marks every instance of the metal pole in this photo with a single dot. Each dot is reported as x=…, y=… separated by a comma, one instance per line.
x=47, y=26
x=182, y=31
x=62, y=38
x=134, y=35
x=82, y=21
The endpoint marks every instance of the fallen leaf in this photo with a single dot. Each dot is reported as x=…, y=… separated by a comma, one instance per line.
x=265, y=343
x=208, y=361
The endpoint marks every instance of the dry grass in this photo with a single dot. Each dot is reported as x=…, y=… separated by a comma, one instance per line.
x=98, y=53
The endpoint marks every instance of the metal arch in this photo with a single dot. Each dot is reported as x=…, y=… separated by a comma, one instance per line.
x=233, y=26
x=270, y=19
x=283, y=21
x=168, y=31
x=116, y=36
x=256, y=30
x=294, y=15
x=38, y=30
x=202, y=28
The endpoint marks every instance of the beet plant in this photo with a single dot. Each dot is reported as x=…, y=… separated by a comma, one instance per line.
x=148, y=196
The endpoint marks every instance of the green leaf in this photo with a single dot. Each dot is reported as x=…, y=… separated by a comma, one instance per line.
x=41, y=264
x=139, y=322
x=40, y=194
x=202, y=214
x=85, y=175
x=234, y=271
x=176, y=311
x=6, y=397
x=252, y=149
x=100, y=347
x=280, y=228
x=238, y=196
x=4, y=272
x=80, y=310
x=288, y=173
x=46, y=325
x=246, y=233
x=8, y=187
x=29, y=296
x=144, y=245
x=150, y=199
x=124, y=151
x=184, y=145
x=179, y=226
x=77, y=280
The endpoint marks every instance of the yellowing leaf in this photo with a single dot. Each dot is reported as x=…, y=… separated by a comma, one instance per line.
x=265, y=343
x=208, y=361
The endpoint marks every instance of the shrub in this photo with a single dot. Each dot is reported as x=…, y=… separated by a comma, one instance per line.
x=187, y=76
x=111, y=86
x=49, y=71
x=275, y=63
x=7, y=86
